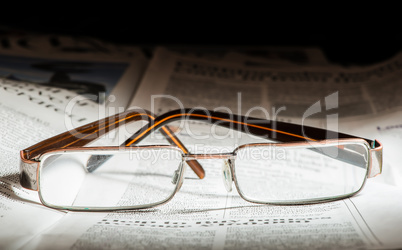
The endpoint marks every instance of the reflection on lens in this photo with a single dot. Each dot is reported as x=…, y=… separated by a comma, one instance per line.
x=292, y=174
x=122, y=178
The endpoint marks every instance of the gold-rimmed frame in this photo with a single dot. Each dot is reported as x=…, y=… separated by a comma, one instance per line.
x=287, y=135
x=222, y=156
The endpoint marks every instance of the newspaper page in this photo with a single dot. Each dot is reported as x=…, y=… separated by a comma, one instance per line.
x=255, y=89
x=203, y=214
x=85, y=66
x=30, y=113
x=331, y=97
x=50, y=84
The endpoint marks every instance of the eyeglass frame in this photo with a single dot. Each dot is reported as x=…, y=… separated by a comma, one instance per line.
x=295, y=135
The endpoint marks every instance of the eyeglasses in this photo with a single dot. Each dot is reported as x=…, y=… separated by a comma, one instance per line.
x=304, y=165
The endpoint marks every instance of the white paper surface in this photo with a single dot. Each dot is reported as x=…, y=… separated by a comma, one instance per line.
x=203, y=215
x=31, y=112
x=24, y=122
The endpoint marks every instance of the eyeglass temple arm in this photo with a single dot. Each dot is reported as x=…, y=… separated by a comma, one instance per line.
x=85, y=134
x=77, y=137
x=267, y=129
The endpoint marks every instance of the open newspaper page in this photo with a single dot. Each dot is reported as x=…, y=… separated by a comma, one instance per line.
x=203, y=214
x=331, y=97
x=85, y=66
x=30, y=113
x=50, y=84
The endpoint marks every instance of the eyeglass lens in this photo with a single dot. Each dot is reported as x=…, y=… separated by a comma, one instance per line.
x=300, y=173
x=128, y=178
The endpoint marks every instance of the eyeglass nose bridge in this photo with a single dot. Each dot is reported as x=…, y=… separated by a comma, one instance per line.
x=228, y=158
x=224, y=156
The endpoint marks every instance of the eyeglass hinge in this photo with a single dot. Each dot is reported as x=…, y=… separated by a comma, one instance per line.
x=28, y=172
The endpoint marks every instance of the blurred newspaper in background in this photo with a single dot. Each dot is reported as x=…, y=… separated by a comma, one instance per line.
x=289, y=84
x=364, y=101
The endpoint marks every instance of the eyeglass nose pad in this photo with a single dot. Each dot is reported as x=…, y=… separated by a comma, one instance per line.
x=176, y=175
x=227, y=175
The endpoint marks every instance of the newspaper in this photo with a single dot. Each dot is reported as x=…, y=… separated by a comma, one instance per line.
x=85, y=66
x=203, y=215
x=331, y=97
x=25, y=120
x=244, y=88
x=43, y=92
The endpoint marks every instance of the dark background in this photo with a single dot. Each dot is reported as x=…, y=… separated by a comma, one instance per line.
x=345, y=37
